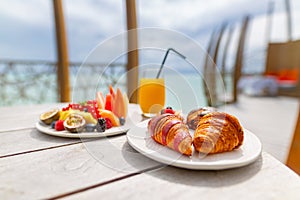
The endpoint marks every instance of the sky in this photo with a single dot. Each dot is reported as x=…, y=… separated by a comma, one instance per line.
x=27, y=27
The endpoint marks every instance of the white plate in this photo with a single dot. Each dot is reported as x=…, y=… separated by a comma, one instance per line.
x=109, y=132
x=140, y=140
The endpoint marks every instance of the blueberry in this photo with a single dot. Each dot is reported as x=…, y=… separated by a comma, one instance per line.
x=85, y=109
x=53, y=124
x=169, y=107
x=90, y=127
x=122, y=121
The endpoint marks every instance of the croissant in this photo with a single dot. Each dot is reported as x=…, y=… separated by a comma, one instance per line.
x=218, y=132
x=169, y=130
x=195, y=115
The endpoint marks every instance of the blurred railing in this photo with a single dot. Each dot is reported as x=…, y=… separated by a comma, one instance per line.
x=31, y=82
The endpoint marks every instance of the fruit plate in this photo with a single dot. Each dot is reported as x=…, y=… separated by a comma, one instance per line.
x=109, y=132
x=139, y=138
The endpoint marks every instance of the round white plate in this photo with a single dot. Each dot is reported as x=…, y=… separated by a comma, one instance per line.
x=109, y=132
x=139, y=138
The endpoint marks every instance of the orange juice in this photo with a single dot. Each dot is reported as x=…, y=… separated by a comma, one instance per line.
x=151, y=95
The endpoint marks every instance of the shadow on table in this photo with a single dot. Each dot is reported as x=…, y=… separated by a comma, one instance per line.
x=114, y=152
x=218, y=178
x=203, y=178
x=37, y=135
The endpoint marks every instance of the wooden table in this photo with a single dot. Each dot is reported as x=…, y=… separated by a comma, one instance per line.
x=37, y=166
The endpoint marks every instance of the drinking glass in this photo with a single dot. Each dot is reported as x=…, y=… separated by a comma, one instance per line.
x=151, y=93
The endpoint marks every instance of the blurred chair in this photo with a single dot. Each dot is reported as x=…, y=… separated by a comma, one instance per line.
x=209, y=80
x=283, y=62
x=225, y=53
x=210, y=69
x=293, y=160
x=239, y=57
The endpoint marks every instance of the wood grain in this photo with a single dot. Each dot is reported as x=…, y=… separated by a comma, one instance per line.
x=260, y=179
x=55, y=172
x=23, y=117
x=24, y=141
x=38, y=166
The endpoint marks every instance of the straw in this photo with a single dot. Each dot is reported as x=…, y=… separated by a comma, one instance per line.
x=164, y=60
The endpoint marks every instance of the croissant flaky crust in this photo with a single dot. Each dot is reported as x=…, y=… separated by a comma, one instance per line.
x=218, y=132
x=195, y=115
x=170, y=130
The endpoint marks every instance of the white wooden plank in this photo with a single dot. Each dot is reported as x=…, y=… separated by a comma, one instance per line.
x=265, y=179
x=15, y=142
x=22, y=117
x=53, y=172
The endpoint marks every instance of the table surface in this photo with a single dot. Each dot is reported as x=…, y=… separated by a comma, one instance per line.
x=34, y=165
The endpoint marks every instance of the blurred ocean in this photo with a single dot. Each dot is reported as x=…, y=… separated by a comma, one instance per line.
x=181, y=87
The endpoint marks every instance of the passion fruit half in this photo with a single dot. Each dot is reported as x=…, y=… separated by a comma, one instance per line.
x=50, y=116
x=74, y=123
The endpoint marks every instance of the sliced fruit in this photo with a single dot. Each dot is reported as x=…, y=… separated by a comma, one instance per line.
x=120, y=104
x=74, y=123
x=109, y=102
x=126, y=102
x=87, y=116
x=64, y=114
x=111, y=91
x=50, y=116
x=100, y=100
x=108, y=114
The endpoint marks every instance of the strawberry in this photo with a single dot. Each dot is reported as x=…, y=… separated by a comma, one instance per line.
x=59, y=125
x=168, y=110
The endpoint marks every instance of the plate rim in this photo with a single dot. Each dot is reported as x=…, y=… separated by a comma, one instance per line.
x=192, y=165
x=65, y=134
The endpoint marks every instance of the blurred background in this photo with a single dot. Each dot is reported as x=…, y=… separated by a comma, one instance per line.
x=28, y=54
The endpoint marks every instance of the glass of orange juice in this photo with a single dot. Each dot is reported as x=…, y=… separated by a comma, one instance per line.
x=151, y=93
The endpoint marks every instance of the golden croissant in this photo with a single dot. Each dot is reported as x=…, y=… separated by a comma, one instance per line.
x=169, y=130
x=218, y=132
x=195, y=115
